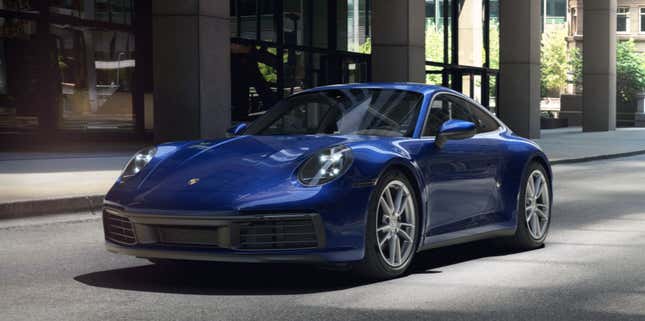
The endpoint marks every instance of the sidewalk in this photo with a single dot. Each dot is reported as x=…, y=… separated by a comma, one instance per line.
x=571, y=145
x=39, y=183
x=44, y=183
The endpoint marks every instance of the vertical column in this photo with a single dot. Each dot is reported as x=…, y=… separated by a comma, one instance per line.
x=519, y=101
x=192, y=68
x=398, y=40
x=599, y=72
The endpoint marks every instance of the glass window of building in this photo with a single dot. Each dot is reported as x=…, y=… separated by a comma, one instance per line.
x=22, y=88
x=462, y=47
x=556, y=11
x=574, y=22
x=19, y=6
x=96, y=76
x=642, y=20
x=67, y=65
x=622, y=16
x=281, y=47
x=358, y=26
x=112, y=11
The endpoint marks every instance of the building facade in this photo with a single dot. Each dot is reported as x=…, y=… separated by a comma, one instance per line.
x=630, y=22
x=90, y=69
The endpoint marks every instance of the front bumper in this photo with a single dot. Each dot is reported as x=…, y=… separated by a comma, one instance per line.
x=293, y=237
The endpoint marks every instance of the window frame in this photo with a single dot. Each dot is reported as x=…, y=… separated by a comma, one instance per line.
x=574, y=21
x=641, y=13
x=627, y=14
x=500, y=125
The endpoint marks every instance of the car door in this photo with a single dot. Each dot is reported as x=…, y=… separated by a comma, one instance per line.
x=462, y=176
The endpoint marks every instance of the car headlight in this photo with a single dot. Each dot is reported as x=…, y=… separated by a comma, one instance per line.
x=138, y=162
x=325, y=165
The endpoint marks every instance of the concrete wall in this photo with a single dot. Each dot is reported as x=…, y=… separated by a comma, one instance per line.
x=191, y=42
x=398, y=40
x=519, y=99
x=599, y=55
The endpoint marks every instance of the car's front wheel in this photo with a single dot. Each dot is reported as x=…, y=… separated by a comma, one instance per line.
x=392, y=228
x=533, y=209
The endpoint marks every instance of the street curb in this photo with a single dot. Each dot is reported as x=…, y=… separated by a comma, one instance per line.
x=597, y=158
x=23, y=209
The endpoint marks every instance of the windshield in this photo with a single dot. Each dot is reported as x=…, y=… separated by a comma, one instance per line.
x=378, y=112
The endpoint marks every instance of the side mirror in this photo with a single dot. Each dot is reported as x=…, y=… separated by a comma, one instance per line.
x=237, y=130
x=454, y=130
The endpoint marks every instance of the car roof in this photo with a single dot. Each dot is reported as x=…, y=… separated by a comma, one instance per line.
x=407, y=86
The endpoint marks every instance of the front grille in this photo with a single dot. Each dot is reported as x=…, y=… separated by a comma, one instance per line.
x=118, y=229
x=299, y=233
x=199, y=236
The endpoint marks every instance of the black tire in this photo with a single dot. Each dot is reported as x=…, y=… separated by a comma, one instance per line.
x=522, y=240
x=373, y=266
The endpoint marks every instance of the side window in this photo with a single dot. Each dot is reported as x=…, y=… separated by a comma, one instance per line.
x=485, y=123
x=447, y=107
x=439, y=113
x=461, y=110
x=444, y=108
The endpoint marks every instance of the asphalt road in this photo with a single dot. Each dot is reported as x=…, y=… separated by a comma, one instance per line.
x=592, y=268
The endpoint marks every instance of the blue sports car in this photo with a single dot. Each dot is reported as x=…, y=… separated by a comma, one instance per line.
x=366, y=175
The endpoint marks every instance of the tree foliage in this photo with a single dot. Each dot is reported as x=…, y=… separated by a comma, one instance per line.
x=434, y=49
x=630, y=70
x=554, y=65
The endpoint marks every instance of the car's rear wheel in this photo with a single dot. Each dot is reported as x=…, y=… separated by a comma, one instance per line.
x=533, y=209
x=392, y=228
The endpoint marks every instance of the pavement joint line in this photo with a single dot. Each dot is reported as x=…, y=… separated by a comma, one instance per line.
x=93, y=203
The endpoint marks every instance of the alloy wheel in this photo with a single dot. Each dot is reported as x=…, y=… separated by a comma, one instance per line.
x=536, y=204
x=396, y=224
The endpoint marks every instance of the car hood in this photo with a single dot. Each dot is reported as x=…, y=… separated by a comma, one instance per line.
x=223, y=174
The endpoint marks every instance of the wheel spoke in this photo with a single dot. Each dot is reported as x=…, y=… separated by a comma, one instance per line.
x=384, y=228
x=538, y=228
x=537, y=188
x=529, y=216
x=397, y=251
x=541, y=214
x=530, y=187
x=384, y=240
x=389, y=201
x=400, y=194
x=402, y=206
x=386, y=207
x=405, y=235
x=393, y=247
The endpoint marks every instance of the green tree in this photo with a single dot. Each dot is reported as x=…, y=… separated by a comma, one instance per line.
x=575, y=68
x=434, y=50
x=364, y=48
x=630, y=70
x=493, y=44
x=554, y=61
